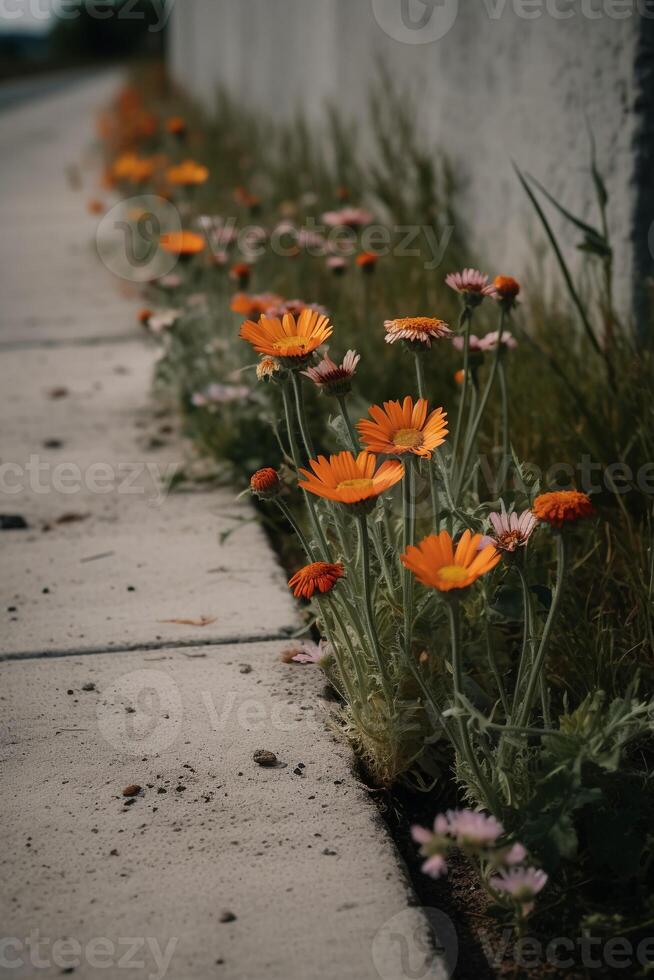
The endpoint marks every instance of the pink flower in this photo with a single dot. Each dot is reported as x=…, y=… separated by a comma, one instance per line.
x=334, y=378
x=469, y=828
x=313, y=653
x=522, y=884
x=489, y=342
x=171, y=281
x=163, y=320
x=336, y=263
x=435, y=866
x=417, y=331
x=515, y=855
x=474, y=343
x=472, y=284
x=512, y=531
x=348, y=218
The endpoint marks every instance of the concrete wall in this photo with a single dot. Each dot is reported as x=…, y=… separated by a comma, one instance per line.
x=509, y=79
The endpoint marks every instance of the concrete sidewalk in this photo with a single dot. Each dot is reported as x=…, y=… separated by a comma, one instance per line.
x=215, y=867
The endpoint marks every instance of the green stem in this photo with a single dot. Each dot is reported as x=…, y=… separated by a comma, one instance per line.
x=465, y=320
x=291, y=520
x=539, y=659
x=355, y=659
x=299, y=407
x=295, y=452
x=407, y=540
x=472, y=435
x=506, y=444
x=457, y=678
x=354, y=439
x=435, y=505
x=370, y=615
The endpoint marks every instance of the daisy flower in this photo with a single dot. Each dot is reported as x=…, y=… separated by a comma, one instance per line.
x=334, y=378
x=319, y=576
x=350, y=480
x=512, y=531
x=265, y=483
x=313, y=653
x=417, y=331
x=562, y=507
x=437, y=564
x=471, y=284
x=348, y=218
x=470, y=828
x=288, y=339
x=402, y=427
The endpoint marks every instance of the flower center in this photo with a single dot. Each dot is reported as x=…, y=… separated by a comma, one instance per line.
x=408, y=438
x=290, y=343
x=453, y=573
x=358, y=484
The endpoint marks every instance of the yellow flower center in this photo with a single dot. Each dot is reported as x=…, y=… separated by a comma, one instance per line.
x=290, y=343
x=358, y=484
x=408, y=438
x=453, y=573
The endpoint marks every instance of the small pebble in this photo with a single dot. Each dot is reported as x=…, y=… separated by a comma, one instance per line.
x=265, y=758
x=227, y=916
x=132, y=790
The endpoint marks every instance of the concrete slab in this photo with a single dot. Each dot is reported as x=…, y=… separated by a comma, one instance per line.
x=109, y=556
x=295, y=853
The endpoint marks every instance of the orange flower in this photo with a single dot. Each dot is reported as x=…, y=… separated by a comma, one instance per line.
x=459, y=376
x=265, y=482
x=417, y=331
x=506, y=287
x=437, y=564
x=95, y=206
x=367, y=261
x=243, y=196
x=187, y=173
x=350, y=480
x=288, y=339
x=182, y=243
x=241, y=272
x=176, y=126
x=320, y=576
x=141, y=170
x=399, y=428
x=144, y=315
x=562, y=506
x=254, y=306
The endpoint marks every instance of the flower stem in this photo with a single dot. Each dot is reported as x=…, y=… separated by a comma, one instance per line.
x=353, y=656
x=539, y=659
x=505, y=413
x=315, y=520
x=465, y=320
x=457, y=679
x=435, y=506
x=472, y=434
x=370, y=616
x=354, y=439
x=291, y=520
x=407, y=539
x=299, y=407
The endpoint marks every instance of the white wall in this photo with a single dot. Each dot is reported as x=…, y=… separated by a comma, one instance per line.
x=496, y=87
